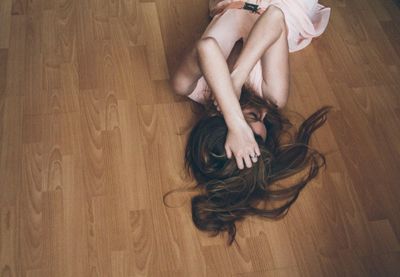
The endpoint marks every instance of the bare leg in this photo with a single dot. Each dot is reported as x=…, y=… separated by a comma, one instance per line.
x=267, y=41
x=226, y=31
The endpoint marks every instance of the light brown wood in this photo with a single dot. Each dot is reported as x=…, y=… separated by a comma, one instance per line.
x=5, y=21
x=91, y=137
x=154, y=44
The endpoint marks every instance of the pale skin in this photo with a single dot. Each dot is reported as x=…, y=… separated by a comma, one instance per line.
x=267, y=42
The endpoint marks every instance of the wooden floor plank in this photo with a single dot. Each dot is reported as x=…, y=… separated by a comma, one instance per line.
x=30, y=207
x=5, y=23
x=8, y=252
x=92, y=137
x=154, y=43
x=11, y=150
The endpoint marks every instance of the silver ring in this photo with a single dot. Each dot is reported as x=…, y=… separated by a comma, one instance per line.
x=253, y=156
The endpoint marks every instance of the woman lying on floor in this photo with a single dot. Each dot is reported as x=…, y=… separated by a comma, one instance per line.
x=236, y=152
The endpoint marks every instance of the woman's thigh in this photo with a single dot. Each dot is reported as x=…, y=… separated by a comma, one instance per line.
x=226, y=29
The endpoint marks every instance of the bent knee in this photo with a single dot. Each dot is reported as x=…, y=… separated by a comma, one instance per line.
x=177, y=86
x=205, y=42
x=275, y=12
x=180, y=86
x=277, y=15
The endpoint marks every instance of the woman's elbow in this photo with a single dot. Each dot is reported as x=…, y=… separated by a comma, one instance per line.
x=279, y=100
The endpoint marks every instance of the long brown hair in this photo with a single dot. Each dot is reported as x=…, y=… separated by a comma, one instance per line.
x=227, y=194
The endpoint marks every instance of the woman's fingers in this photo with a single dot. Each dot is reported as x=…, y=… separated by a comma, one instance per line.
x=228, y=152
x=248, y=161
x=239, y=159
x=216, y=105
x=241, y=144
x=239, y=162
x=214, y=100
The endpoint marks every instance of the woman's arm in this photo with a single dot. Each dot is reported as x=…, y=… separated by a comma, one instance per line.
x=263, y=36
x=267, y=34
x=215, y=71
x=240, y=139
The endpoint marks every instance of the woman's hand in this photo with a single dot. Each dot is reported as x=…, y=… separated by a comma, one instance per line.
x=241, y=143
x=215, y=102
x=240, y=140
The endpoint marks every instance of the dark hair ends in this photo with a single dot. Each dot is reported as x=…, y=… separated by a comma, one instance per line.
x=227, y=194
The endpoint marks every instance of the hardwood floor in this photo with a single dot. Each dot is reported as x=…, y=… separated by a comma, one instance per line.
x=91, y=137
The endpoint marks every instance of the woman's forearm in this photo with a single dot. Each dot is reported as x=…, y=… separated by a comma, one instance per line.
x=265, y=32
x=216, y=73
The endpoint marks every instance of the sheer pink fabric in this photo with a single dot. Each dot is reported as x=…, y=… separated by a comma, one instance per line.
x=305, y=20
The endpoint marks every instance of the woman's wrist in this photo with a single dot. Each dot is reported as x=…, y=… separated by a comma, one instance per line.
x=238, y=79
x=235, y=122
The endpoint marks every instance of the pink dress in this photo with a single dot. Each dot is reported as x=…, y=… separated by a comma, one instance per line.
x=305, y=19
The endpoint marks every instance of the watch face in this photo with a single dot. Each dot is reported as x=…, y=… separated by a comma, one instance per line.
x=250, y=7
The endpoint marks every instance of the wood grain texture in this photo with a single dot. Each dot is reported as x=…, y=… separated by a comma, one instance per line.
x=5, y=23
x=155, y=50
x=92, y=137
